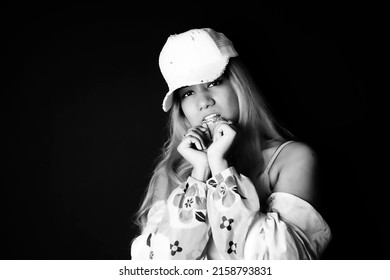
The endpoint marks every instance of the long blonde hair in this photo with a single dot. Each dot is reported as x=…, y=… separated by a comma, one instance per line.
x=256, y=127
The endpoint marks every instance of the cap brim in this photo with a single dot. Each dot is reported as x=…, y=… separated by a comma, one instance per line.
x=167, y=102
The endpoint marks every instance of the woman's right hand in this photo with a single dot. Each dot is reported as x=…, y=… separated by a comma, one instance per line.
x=193, y=148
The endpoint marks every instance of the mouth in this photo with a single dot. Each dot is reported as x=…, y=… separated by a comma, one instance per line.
x=212, y=118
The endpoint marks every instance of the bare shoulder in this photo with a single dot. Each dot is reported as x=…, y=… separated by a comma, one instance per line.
x=298, y=152
x=295, y=171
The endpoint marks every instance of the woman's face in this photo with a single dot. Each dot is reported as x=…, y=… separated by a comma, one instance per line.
x=201, y=100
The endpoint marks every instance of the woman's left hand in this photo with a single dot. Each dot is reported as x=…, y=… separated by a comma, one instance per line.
x=223, y=139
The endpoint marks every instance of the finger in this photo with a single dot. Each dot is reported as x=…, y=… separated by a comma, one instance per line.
x=223, y=129
x=191, y=140
x=223, y=122
x=227, y=122
x=206, y=130
x=199, y=129
x=194, y=134
x=197, y=135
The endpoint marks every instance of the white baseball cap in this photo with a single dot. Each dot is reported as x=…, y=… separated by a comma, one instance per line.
x=193, y=57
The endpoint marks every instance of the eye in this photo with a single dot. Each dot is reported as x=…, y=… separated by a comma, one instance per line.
x=187, y=93
x=215, y=83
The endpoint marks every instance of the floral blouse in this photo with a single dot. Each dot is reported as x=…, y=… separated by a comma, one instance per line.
x=221, y=219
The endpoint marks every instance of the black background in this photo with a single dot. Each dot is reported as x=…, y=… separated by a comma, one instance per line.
x=82, y=123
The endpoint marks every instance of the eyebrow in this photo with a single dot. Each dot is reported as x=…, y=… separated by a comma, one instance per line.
x=220, y=77
x=180, y=90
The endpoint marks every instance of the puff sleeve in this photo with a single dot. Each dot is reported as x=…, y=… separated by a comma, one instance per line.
x=290, y=229
x=176, y=228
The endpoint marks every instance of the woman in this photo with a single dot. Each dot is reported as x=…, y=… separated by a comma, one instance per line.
x=230, y=183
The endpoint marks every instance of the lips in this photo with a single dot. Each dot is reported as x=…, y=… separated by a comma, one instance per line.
x=212, y=118
x=210, y=122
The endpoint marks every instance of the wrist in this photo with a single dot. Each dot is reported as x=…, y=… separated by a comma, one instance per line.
x=200, y=174
x=218, y=165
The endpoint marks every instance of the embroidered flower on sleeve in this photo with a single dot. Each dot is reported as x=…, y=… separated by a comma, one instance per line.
x=226, y=191
x=222, y=189
x=190, y=204
x=212, y=183
x=232, y=247
x=226, y=223
x=175, y=248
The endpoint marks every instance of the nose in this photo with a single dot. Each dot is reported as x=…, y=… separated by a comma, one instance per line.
x=205, y=100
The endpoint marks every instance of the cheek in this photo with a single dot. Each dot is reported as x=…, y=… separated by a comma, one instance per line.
x=233, y=99
x=188, y=112
x=232, y=102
